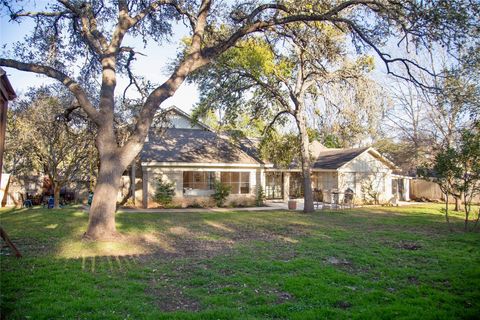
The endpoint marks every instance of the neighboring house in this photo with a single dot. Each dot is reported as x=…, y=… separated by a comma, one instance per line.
x=192, y=156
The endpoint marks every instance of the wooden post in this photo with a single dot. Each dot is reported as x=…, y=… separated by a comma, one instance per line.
x=145, y=187
x=286, y=186
x=132, y=181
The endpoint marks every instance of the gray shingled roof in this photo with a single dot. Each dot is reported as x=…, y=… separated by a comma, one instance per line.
x=334, y=159
x=197, y=146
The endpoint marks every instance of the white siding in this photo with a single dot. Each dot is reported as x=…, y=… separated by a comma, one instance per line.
x=366, y=171
x=181, y=122
x=175, y=175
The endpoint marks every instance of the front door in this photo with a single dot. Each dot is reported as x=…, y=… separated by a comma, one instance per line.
x=274, y=185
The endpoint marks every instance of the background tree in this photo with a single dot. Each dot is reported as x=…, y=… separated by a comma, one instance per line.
x=420, y=123
x=349, y=113
x=407, y=130
x=456, y=169
x=66, y=32
x=443, y=172
x=55, y=138
x=275, y=81
x=469, y=162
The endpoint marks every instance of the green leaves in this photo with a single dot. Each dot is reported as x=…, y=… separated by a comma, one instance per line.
x=221, y=192
x=164, y=192
x=252, y=56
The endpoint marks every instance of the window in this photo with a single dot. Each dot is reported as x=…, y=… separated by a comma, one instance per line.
x=238, y=181
x=198, y=180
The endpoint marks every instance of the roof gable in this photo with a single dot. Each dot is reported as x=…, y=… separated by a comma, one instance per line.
x=174, y=117
x=333, y=159
x=194, y=146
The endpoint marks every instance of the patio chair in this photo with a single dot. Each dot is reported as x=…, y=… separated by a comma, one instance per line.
x=51, y=203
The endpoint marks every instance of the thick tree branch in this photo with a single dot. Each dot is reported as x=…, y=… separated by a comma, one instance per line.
x=256, y=26
x=68, y=82
x=95, y=39
x=35, y=14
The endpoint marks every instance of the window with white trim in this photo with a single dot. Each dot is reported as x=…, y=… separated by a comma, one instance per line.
x=200, y=180
x=238, y=181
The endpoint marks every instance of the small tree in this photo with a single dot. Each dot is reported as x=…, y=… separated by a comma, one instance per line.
x=457, y=171
x=260, y=199
x=164, y=192
x=443, y=173
x=469, y=162
x=222, y=191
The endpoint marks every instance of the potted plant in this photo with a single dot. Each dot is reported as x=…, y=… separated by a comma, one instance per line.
x=292, y=204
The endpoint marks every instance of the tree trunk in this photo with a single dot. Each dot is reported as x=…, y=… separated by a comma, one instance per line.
x=101, y=223
x=446, y=212
x=467, y=211
x=56, y=195
x=458, y=203
x=306, y=165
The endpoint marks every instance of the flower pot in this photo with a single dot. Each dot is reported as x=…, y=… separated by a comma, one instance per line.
x=292, y=205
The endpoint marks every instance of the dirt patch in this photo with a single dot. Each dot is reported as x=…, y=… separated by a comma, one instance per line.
x=285, y=254
x=343, y=305
x=413, y=280
x=30, y=246
x=408, y=246
x=283, y=297
x=338, y=261
x=170, y=298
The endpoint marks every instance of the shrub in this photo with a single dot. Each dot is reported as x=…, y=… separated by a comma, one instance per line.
x=195, y=205
x=164, y=192
x=221, y=193
x=260, y=199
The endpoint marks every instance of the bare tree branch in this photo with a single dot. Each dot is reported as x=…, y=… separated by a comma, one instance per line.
x=270, y=125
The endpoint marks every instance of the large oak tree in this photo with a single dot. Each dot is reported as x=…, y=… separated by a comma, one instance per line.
x=76, y=42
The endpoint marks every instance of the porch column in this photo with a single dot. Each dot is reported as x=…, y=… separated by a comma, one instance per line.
x=406, y=189
x=260, y=181
x=132, y=181
x=286, y=185
x=145, y=188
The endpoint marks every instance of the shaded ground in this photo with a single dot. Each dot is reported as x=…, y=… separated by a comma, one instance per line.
x=361, y=263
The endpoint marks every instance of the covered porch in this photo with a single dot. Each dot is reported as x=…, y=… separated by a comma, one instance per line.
x=288, y=184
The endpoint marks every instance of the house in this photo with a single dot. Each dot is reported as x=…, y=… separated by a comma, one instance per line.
x=193, y=156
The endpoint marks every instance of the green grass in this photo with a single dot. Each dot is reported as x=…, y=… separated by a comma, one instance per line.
x=242, y=265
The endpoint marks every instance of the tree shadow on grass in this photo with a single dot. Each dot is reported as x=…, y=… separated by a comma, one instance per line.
x=171, y=235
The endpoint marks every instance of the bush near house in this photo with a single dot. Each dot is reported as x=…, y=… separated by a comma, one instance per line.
x=221, y=192
x=164, y=192
x=260, y=198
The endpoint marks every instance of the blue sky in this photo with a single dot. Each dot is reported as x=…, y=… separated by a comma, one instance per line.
x=153, y=65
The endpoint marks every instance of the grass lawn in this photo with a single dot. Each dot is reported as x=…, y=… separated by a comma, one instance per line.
x=376, y=263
